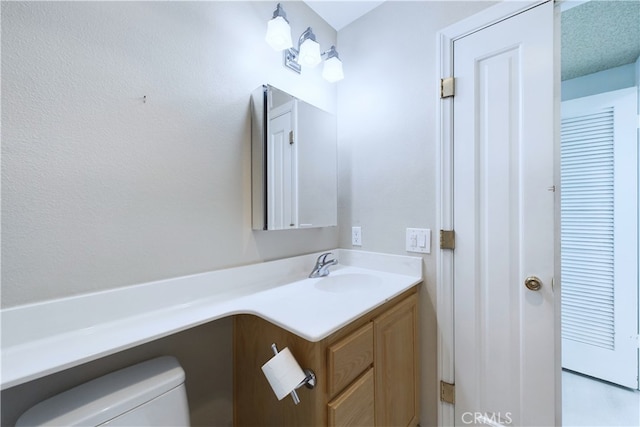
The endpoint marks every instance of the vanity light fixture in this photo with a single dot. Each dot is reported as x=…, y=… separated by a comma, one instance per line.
x=308, y=49
x=278, y=30
x=332, y=70
x=307, y=53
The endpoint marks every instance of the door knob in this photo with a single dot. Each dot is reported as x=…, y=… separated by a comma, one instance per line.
x=533, y=283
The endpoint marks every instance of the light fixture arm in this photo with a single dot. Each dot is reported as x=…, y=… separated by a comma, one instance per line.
x=306, y=34
x=280, y=12
x=331, y=53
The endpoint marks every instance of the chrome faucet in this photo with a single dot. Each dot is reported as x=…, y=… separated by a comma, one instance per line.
x=322, y=265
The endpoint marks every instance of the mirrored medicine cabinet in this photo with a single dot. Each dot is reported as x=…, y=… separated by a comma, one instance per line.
x=294, y=162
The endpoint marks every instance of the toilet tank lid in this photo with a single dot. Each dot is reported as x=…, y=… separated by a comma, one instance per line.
x=106, y=397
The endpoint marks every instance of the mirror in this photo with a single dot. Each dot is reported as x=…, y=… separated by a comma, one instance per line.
x=294, y=162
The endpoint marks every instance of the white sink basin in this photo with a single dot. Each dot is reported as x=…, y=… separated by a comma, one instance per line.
x=348, y=282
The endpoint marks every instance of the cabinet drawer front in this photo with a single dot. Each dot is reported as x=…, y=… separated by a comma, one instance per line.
x=349, y=357
x=354, y=407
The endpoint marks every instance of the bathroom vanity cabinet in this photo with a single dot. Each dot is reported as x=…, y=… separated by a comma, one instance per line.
x=367, y=372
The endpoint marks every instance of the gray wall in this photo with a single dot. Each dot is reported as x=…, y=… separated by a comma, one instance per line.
x=387, y=143
x=637, y=69
x=102, y=190
x=604, y=81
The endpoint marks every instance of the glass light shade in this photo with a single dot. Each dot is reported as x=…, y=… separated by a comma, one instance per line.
x=279, y=34
x=332, y=70
x=309, y=53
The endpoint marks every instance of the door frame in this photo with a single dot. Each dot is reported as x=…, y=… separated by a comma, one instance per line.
x=444, y=188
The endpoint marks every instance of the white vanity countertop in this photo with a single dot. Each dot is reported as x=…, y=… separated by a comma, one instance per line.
x=44, y=338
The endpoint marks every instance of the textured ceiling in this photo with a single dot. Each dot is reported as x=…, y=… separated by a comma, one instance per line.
x=598, y=35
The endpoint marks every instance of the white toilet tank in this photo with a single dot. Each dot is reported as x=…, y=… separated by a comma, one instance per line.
x=151, y=393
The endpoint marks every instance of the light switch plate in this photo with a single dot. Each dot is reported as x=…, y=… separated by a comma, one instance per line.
x=356, y=236
x=418, y=240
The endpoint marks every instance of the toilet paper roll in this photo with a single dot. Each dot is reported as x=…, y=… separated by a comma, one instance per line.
x=283, y=373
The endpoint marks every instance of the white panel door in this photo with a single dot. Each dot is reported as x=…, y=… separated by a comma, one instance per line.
x=504, y=222
x=282, y=188
x=599, y=236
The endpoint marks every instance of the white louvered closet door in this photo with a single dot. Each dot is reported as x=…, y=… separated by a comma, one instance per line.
x=599, y=235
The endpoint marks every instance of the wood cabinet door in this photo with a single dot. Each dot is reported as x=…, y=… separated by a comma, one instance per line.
x=396, y=365
x=354, y=406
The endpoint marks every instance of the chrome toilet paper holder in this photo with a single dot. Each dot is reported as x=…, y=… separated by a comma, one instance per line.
x=309, y=381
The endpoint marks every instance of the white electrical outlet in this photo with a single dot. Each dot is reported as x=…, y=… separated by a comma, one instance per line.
x=418, y=240
x=356, y=236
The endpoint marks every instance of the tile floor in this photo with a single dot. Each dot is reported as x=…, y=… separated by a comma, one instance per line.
x=590, y=402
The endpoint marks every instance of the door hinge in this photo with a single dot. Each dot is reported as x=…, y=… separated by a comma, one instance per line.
x=290, y=137
x=447, y=87
x=447, y=239
x=447, y=392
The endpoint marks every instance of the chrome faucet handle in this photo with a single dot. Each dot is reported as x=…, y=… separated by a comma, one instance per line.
x=322, y=259
x=321, y=268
